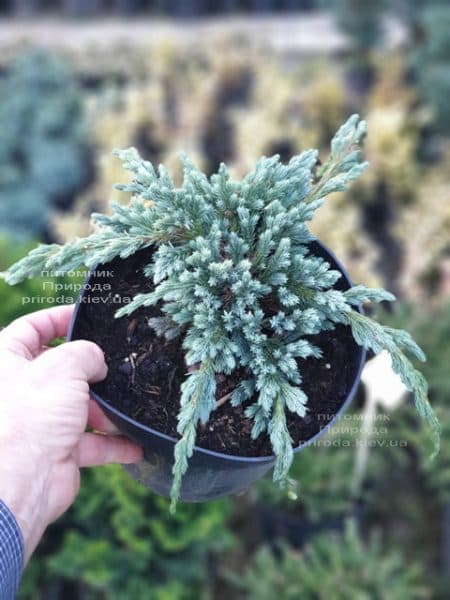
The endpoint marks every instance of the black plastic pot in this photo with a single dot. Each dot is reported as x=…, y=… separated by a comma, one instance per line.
x=210, y=474
x=298, y=530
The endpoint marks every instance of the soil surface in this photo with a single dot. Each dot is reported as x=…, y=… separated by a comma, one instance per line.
x=145, y=371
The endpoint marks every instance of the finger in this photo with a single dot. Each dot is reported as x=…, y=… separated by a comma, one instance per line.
x=28, y=334
x=98, y=420
x=74, y=360
x=97, y=449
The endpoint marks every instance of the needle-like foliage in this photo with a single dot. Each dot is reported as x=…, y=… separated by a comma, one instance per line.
x=233, y=272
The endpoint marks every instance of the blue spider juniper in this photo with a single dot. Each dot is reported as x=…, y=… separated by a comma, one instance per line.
x=221, y=249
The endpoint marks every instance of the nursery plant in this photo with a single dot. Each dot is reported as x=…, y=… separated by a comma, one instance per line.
x=118, y=541
x=360, y=20
x=235, y=291
x=320, y=494
x=320, y=485
x=333, y=566
x=417, y=519
x=44, y=150
x=432, y=328
x=32, y=294
x=431, y=63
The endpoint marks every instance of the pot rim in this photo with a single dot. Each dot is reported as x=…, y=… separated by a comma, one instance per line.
x=232, y=457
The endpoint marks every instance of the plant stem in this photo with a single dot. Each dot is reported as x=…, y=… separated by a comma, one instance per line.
x=223, y=399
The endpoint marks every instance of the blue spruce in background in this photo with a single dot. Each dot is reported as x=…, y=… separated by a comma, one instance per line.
x=432, y=63
x=44, y=154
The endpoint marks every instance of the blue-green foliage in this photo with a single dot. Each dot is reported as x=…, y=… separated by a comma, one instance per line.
x=32, y=294
x=321, y=478
x=431, y=327
x=43, y=142
x=432, y=63
x=235, y=278
x=361, y=20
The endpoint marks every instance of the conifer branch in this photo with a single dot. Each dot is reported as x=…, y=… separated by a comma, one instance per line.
x=343, y=164
x=198, y=399
x=97, y=249
x=376, y=337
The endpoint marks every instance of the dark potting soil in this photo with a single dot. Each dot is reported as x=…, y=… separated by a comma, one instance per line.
x=146, y=371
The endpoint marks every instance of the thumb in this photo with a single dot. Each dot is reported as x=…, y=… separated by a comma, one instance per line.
x=75, y=360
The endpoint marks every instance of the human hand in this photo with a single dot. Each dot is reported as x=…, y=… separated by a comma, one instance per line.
x=45, y=408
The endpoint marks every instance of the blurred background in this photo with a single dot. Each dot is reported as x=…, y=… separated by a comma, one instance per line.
x=366, y=514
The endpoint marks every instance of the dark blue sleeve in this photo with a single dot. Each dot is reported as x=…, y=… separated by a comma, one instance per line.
x=11, y=554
